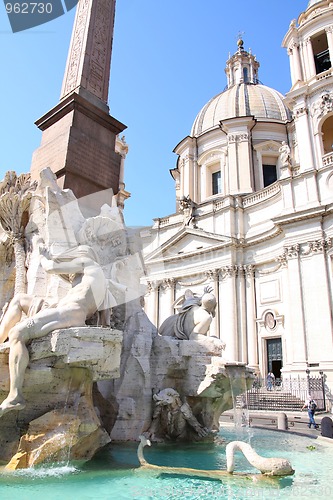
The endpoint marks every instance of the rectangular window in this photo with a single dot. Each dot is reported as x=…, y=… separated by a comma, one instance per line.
x=216, y=182
x=269, y=173
x=321, y=52
x=322, y=61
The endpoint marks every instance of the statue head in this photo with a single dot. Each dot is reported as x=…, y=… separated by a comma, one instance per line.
x=208, y=302
x=168, y=397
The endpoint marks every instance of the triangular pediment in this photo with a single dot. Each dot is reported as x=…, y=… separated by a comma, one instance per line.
x=188, y=241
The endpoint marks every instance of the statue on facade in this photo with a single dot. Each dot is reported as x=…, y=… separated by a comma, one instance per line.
x=173, y=419
x=88, y=293
x=285, y=155
x=186, y=206
x=194, y=317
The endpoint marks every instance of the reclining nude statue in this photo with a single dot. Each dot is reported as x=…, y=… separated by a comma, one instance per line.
x=88, y=293
x=194, y=318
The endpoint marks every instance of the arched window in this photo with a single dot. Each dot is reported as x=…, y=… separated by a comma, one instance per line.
x=245, y=75
x=327, y=135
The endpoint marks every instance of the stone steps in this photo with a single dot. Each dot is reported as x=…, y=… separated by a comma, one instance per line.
x=276, y=401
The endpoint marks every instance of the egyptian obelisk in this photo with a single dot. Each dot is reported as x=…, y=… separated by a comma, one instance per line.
x=79, y=134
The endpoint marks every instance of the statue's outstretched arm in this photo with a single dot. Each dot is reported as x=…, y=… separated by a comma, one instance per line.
x=192, y=421
x=77, y=265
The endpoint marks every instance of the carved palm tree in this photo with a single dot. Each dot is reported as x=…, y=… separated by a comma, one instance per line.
x=15, y=197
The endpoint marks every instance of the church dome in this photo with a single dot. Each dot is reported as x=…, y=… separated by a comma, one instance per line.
x=243, y=99
x=312, y=2
x=244, y=96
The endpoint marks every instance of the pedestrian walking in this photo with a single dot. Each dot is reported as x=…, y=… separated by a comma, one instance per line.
x=311, y=406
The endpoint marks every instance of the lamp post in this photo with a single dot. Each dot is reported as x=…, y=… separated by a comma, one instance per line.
x=308, y=380
x=321, y=373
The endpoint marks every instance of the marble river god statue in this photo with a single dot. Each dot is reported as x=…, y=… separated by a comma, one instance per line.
x=84, y=298
x=194, y=317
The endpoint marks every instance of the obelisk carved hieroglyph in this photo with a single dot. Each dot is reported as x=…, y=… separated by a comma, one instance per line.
x=78, y=134
x=89, y=57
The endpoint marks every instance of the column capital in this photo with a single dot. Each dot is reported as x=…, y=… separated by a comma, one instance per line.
x=168, y=283
x=292, y=251
x=249, y=270
x=212, y=275
x=229, y=271
x=315, y=247
x=301, y=111
x=152, y=286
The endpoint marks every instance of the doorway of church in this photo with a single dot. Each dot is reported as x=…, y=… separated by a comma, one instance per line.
x=274, y=357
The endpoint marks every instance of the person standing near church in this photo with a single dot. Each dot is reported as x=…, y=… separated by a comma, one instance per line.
x=270, y=380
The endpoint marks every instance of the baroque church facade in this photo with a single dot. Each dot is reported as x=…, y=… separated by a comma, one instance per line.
x=254, y=218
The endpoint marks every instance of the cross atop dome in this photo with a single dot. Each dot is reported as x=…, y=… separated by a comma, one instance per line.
x=240, y=42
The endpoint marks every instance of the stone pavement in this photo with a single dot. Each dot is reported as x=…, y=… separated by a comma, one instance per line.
x=297, y=421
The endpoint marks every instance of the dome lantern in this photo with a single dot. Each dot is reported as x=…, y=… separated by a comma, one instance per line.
x=242, y=67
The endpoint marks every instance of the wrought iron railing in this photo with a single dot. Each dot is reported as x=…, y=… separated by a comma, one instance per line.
x=289, y=393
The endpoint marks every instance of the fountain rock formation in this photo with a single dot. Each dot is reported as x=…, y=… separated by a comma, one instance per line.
x=91, y=378
x=54, y=392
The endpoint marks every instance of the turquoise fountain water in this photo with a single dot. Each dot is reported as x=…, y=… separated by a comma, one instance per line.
x=114, y=472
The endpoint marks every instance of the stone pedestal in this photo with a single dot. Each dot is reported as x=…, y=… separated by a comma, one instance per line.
x=197, y=371
x=78, y=145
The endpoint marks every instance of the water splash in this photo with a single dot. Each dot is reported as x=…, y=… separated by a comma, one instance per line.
x=238, y=386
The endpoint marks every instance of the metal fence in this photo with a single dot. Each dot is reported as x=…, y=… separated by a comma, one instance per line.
x=288, y=393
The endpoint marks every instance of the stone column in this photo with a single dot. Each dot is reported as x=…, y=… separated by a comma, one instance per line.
x=241, y=314
x=244, y=165
x=252, y=337
x=306, y=159
x=203, y=183
x=122, y=150
x=192, y=183
x=232, y=164
x=213, y=277
x=186, y=176
x=317, y=303
x=296, y=328
x=168, y=285
x=329, y=33
x=228, y=316
x=151, y=302
x=297, y=62
x=311, y=67
x=292, y=65
x=224, y=172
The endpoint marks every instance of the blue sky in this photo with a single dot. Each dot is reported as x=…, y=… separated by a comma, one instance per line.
x=168, y=61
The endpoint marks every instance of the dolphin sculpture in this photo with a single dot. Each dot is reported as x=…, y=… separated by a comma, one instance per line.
x=268, y=466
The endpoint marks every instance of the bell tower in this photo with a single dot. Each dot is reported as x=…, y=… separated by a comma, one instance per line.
x=309, y=43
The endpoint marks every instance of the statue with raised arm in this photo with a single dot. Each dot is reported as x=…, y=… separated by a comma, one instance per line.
x=87, y=295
